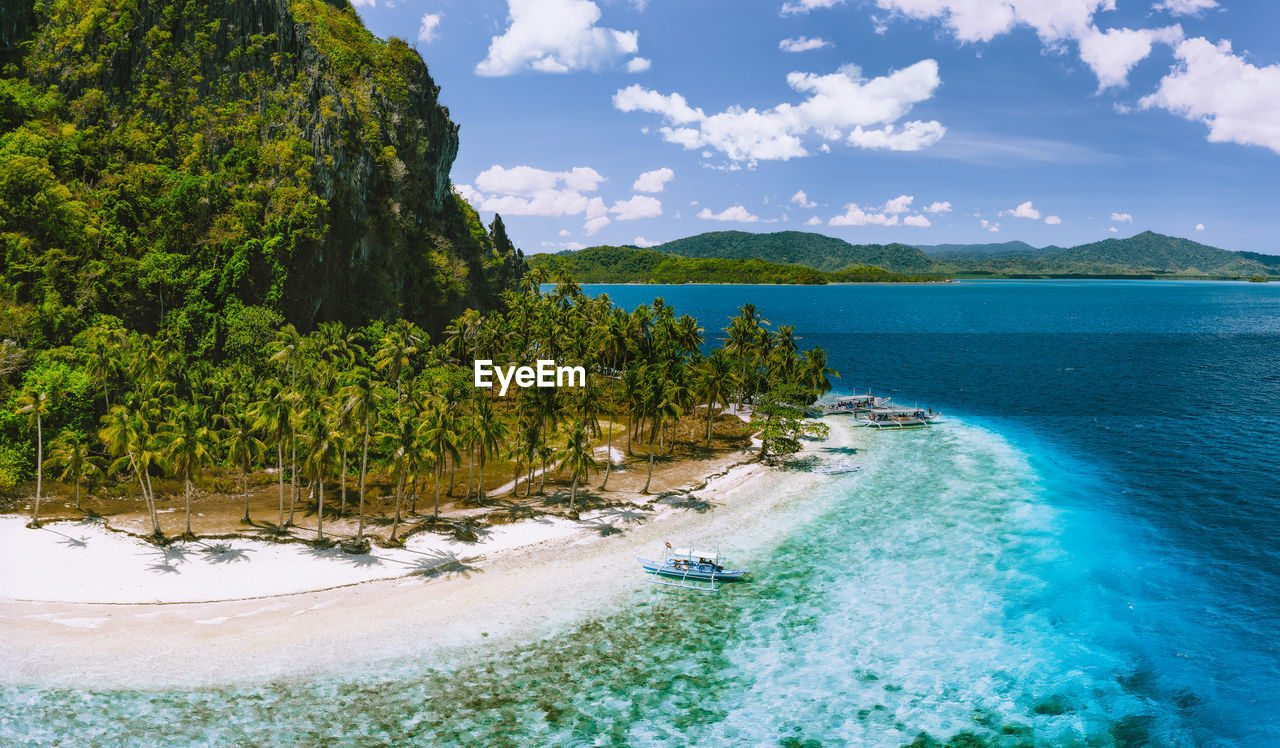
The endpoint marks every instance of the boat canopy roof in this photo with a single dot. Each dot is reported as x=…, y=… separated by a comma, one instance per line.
x=694, y=554
x=897, y=411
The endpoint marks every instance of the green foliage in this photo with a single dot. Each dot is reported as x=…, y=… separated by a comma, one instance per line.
x=250, y=330
x=802, y=248
x=633, y=265
x=780, y=415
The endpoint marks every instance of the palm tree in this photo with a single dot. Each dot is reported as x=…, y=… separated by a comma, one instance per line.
x=814, y=371
x=71, y=453
x=662, y=403
x=439, y=440
x=243, y=448
x=717, y=383
x=361, y=399
x=323, y=444
x=577, y=458
x=395, y=350
x=188, y=446
x=273, y=416
x=491, y=434
x=400, y=443
x=126, y=436
x=36, y=405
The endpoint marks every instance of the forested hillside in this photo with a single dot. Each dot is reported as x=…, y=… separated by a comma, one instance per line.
x=194, y=168
x=802, y=248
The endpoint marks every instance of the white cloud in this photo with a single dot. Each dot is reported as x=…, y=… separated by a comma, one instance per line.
x=1185, y=7
x=1199, y=227
x=1052, y=220
x=427, y=29
x=640, y=241
x=1122, y=218
x=917, y=220
x=855, y=216
x=364, y=3
x=638, y=64
x=802, y=44
x=992, y=227
x=941, y=207
x=564, y=232
x=1113, y=230
x=982, y=20
x=556, y=36
x=838, y=106
x=732, y=213
x=653, y=181
x=1111, y=54
x=813, y=221
x=468, y=193
x=804, y=6
x=900, y=204
x=639, y=206
x=1239, y=102
x=595, y=224
x=802, y=200
x=1024, y=210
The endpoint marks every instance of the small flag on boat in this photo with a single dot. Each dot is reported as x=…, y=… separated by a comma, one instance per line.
x=667, y=544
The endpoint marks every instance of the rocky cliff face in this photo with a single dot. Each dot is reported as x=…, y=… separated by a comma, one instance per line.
x=299, y=162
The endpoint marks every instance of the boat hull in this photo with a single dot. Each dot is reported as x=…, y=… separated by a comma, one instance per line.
x=661, y=569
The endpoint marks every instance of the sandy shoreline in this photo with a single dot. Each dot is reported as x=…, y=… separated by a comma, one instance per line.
x=531, y=582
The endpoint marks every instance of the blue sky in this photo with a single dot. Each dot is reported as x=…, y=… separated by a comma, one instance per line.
x=917, y=121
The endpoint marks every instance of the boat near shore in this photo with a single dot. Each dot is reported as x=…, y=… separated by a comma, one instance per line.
x=897, y=419
x=691, y=569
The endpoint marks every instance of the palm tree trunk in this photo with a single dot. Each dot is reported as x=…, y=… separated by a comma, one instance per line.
x=395, y=523
x=650, y=479
x=342, y=510
x=149, y=493
x=35, y=510
x=78, y=509
x=364, y=465
x=293, y=474
x=280, y=474
x=471, y=468
x=186, y=484
x=480, y=483
x=413, y=491
x=439, y=469
x=710, y=408
x=608, y=455
x=573, y=496
x=629, y=415
x=453, y=468
x=320, y=504
x=244, y=483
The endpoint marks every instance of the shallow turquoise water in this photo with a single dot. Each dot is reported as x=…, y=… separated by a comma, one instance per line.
x=1070, y=561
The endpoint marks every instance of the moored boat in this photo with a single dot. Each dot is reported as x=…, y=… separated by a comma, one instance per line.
x=837, y=469
x=691, y=569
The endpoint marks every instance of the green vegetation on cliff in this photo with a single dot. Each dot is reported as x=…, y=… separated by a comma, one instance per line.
x=194, y=167
x=802, y=248
x=634, y=265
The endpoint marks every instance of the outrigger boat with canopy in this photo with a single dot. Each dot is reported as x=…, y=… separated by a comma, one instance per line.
x=850, y=404
x=898, y=418
x=691, y=569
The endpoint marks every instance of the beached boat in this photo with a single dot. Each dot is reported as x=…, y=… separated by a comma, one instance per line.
x=691, y=569
x=837, y=469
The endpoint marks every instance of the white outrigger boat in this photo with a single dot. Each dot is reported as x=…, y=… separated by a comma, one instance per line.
x=895, y=419
x=837, y=469
x=692, y=570
x=850, y=404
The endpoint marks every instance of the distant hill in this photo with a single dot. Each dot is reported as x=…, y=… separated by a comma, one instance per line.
x=1003, y=249
x=802, y=248
x=629, y=264
x=1144, y=255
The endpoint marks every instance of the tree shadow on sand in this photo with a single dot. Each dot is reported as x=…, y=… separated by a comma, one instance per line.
x=440, y=563
x=170, y=557
x=681, y=500
x=67, y=540
x=336, y=553
x=223, y=553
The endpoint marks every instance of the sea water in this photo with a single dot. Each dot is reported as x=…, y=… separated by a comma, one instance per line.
x=1085, y=553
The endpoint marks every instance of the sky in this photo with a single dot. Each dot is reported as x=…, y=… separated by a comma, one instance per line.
x=588, y=122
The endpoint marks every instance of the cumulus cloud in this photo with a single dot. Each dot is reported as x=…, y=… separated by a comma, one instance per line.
x=1052, y=220
x=841, y=105
x=1113, y=230
x=813, y=221
x=527, y=191
x=992, y=227
x=638, y=64
x=939, y=207
x=639, y=206
x=1113, y=53
x=1185, y=7
x=802, y=200
x=804, y=6
x=653, y=181
x=1024, y=210
x=1199, y=227
x=732, y=213
x=802, y=44
x=557, y=36
x=1238, y=101
x=640, y=241
x=1122, y=218
x=890, y=214
x=427, y=28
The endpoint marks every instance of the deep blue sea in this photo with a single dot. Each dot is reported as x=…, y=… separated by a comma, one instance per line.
x=1086, y=553
x=1148, y=414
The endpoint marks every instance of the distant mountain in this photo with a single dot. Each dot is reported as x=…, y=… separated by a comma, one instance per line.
x=1147, y=255
x=1003, y=249
x=802, y=248
x=628, y=264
